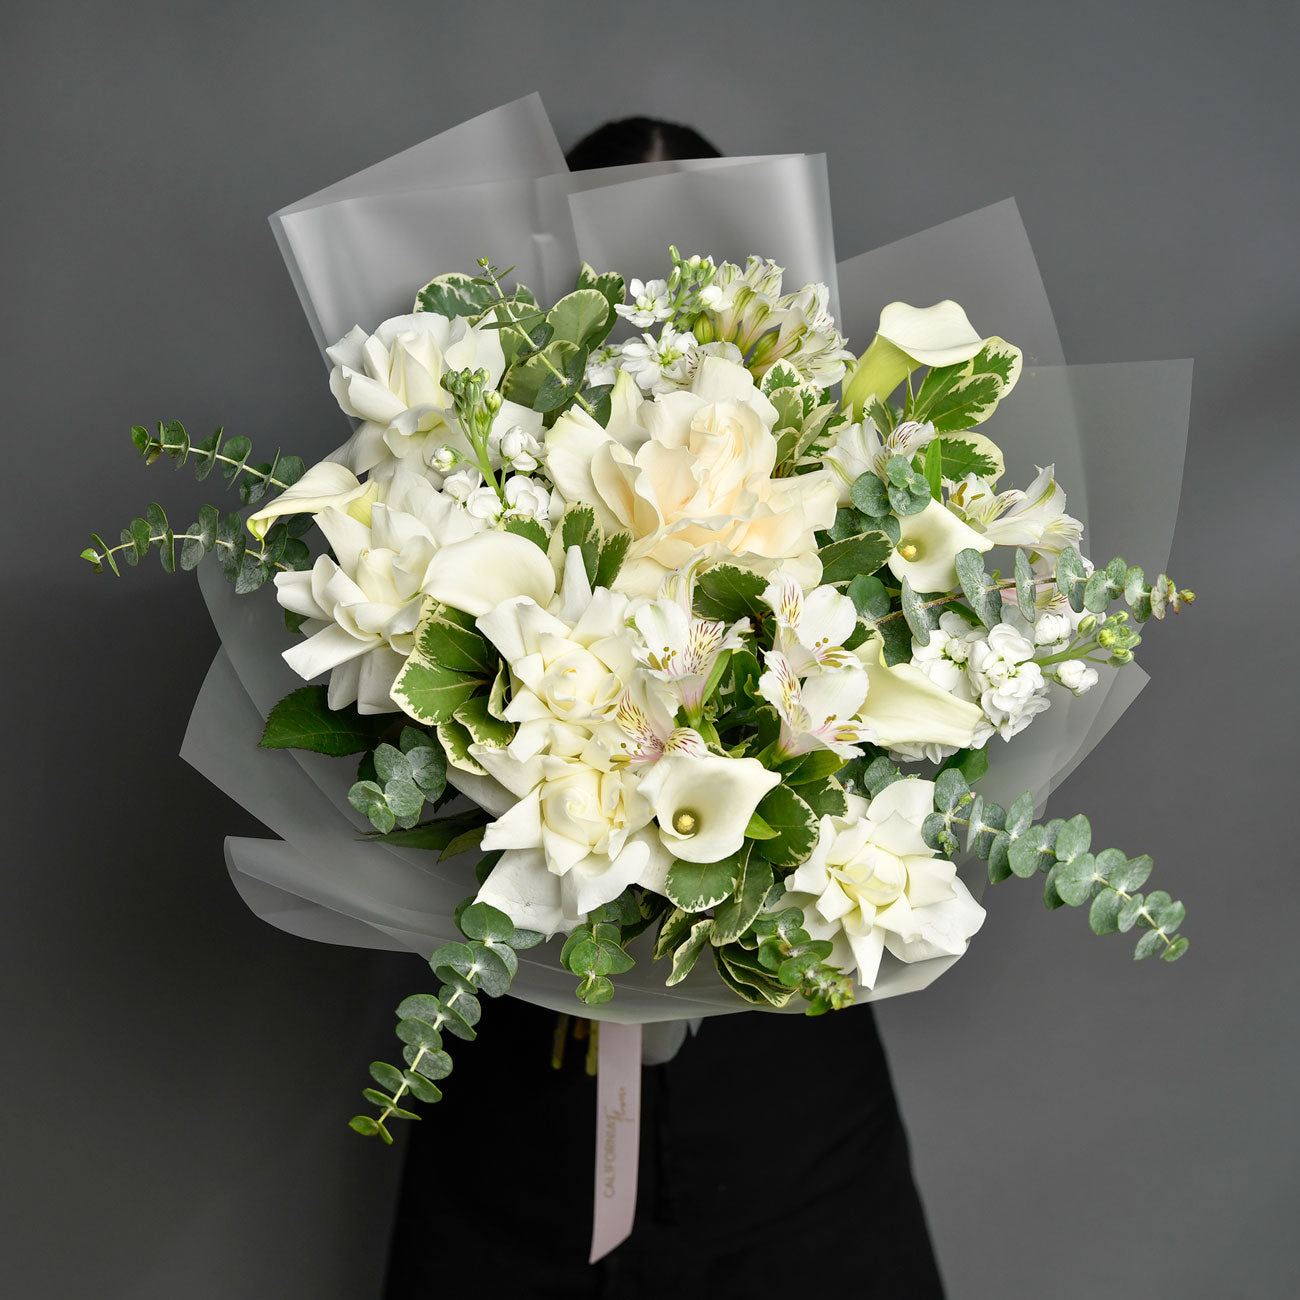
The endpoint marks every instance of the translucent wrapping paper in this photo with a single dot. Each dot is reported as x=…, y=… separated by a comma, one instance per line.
x=496, y=186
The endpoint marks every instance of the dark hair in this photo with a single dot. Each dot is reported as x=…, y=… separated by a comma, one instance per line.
x=637, y=140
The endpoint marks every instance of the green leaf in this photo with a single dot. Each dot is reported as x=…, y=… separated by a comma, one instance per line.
x=431, y=1065
x=1074, y=879
x=420, y=1087
x=581, y=317
x=1071, y=578
x=368, y=798
x=430, y=692
x=961, y=457
x=1148, y=945
x=612, y=554
x=730, y=593
x=528, y=528
x=1103, y=915
x=870, y=494
x=1030, y=853
x=694, y=886
x=455, y=295
x=825, y=798
x=757, y=829
x=736, y=914
x=364, y=1125
x=436, y=834
x=961, y=396
x=932, y=468
x=418, y=1033
x=304, y=720
x=562, y=367
x=609, y=284
x=795, y=824
x=979, y=587
x=483, y=922
x=1131, y=875
x=854, y=557
x=869, y=597
x=1026, y=591
x=448, y=637
x=920, y=616
x=476, y=717
x=1176, y=949
x=816, y=765
x=688, y=952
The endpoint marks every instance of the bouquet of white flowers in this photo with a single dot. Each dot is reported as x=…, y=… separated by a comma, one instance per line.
x=672, y=629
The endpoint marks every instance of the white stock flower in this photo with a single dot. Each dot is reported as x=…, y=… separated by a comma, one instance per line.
x=702, y=805
x=689, y=475
x=649, y=304
x=1011, y=688
x=602, y=364
x=928, y=547
x=362, y=605
x=944, y=657
x=391, y=381
x=1052, y=629
x=528, y=499
x=1075, y=675
x=872, y=882
x=514, y=446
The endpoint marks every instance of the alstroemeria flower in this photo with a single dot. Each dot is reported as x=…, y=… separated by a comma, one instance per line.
x=818, y=712
x=1034, y=518
x=675, y=646
x=391, y=381
x=702, y=805
x=859, y=448
x=698, y=486
x=810, y=629
x=928, y=547
x=872, y=882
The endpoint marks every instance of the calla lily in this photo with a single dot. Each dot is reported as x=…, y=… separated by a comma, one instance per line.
x=703, y=805
x=477, y=574
x=903, y=706
x=324, y=485
x=908, y=337
x=928, y=547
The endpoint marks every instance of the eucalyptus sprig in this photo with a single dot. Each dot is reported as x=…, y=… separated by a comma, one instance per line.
x=485, y=964
x=280, y=550
x=1012, y=843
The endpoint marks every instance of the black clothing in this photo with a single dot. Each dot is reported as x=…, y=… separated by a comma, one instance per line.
x=772, y=1154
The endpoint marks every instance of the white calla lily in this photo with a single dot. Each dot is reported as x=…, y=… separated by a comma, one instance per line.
x=481, y=572
x=903, y=706
x=702, y=805
x=928, y=547
x=324, y=485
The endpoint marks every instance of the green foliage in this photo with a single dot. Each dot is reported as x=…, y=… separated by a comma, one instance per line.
x=281, y=550
x=729, y=593
x=594, y=952
x=980, y=588
x=455, y=295
x=795, y=824
x=852, y=557
x=304, y=720
x=958, y=397
x=1012, y=843
x=485, y=964
x=960, y=457
x=404, y=779
x=450, y=664
x=694, y=886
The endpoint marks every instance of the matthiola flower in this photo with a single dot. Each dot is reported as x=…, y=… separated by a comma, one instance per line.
x=602, y=364
x=810, y=630
x=1075, y=675
x=944, y=657
x=818, y=712
x=1010, y=686
x=528, y=499
x=661, y=365
x=514, y=446
x=872, y=883
x=649, y=304
x=391, y=381
x=689, y=475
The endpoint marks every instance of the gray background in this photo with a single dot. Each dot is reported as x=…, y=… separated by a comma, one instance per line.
x=177, y=1074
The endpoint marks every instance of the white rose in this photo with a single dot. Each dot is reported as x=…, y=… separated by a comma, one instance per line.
x=697, y=484
x=391, y=381
x=872, y=882
x=362, y=605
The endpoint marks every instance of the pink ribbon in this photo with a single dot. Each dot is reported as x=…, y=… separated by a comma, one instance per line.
x=618, y=1135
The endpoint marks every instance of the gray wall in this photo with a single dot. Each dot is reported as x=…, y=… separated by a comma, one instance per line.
x=177, y=1073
